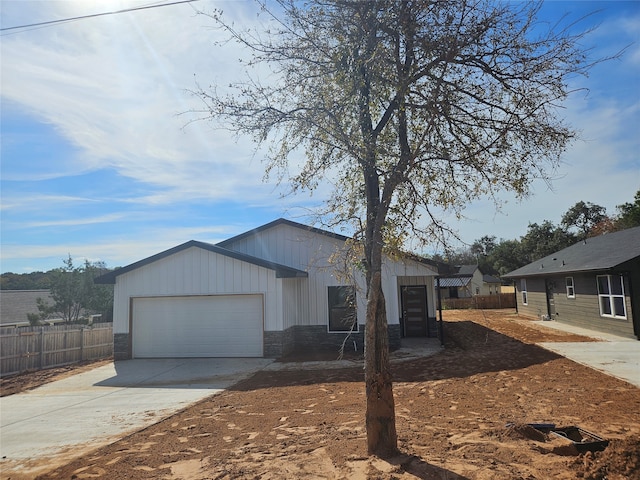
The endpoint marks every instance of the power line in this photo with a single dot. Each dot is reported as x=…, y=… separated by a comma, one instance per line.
x=63, y=20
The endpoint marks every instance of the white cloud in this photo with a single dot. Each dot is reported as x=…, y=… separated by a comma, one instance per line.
x=116, y=250
x=113, y=87
x=35, y=202
x=111, y=217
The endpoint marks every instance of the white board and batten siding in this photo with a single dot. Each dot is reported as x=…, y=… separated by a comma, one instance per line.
x=312, y=251
x=305, y=250
x=190, y=273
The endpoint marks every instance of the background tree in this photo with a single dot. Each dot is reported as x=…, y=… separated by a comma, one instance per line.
x=545, y=239
x=45, y=312
x=508, y=256
x=629, y=214
x=24, y=281
x=411, y=108
x=484, y=245
x=74, y=293
x=584, y=217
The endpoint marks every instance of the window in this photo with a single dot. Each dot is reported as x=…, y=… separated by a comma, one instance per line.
x=611, y=296
x=342, y=309
x=523, y=289
x=571, y=291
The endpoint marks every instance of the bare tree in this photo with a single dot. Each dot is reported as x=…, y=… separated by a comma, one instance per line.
x=411, y=108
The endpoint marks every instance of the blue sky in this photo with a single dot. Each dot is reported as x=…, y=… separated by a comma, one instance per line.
x=96, y=161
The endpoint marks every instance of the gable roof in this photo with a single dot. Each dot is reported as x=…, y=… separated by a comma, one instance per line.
x=275, y=223
x=307, y=228
x=467, y=270
x=449, y=272
x=282, y=271
x=604, y=252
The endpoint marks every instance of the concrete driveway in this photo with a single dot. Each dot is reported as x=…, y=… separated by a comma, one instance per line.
x=64, y=419
x=613, y=355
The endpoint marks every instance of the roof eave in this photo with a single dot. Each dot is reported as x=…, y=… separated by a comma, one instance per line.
x=282, y=271
x=543, y=272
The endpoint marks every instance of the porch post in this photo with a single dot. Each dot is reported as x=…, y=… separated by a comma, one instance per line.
x=440, y=311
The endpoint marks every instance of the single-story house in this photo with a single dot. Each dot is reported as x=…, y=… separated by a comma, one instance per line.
x=467, y=281
x=266, y=292
x=593, y=284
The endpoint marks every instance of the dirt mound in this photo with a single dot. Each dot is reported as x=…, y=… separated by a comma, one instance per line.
x=519, y=431
x=619, y=461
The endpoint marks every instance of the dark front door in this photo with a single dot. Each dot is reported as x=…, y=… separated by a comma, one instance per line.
x=551, y=301
x=414, y=311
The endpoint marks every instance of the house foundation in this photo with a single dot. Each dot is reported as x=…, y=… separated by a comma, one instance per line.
x=279, y=344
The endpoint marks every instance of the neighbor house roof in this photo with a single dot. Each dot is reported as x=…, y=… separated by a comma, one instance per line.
x=16, y=304
x=282, y=271
x=463, y=276
x=467, y=270
x=604, y=252
x=490, y=279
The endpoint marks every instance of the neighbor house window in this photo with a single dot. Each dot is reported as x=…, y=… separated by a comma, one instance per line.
x=523, y=289
x=342, y=309
x=571, y=291
x=611, y=296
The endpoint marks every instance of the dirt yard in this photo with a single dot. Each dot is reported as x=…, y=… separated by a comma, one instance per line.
x=452, y=415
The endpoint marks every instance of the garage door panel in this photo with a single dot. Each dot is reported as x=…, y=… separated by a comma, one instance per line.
x=199, y=326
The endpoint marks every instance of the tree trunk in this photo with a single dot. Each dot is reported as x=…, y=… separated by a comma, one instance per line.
x=382, y=439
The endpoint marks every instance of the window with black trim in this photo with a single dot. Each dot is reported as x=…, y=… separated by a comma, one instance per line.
x=523, y=289
x=571, y=290
x=342, y=309
x=611, y=296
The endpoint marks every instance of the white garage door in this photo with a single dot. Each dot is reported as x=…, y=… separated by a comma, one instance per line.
x=198, y=326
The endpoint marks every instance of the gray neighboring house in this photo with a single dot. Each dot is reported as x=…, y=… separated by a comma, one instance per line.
x=16, y=304
x=593, y=284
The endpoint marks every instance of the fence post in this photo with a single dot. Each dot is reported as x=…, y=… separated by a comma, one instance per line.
x=81, y=343
x=41, y=347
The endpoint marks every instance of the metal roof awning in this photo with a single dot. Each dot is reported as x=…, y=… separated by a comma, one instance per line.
x=448, y=282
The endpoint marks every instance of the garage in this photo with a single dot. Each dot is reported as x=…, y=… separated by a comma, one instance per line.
x=197, y=326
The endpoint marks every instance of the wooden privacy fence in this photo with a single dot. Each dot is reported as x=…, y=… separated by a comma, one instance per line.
x=36, y=348
x=481, y=302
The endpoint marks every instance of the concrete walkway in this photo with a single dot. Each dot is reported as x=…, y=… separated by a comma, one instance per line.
x=64, y=419
x=613, y=355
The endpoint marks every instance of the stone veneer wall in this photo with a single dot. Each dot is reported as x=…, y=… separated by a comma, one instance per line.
x=278, y=344
x=121, y=346
x=316, y=337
